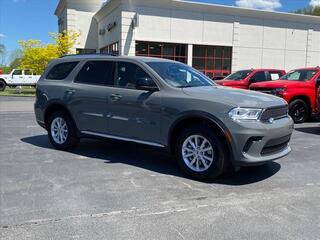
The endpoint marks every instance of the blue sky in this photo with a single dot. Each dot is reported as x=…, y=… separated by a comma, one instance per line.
x=33, y=19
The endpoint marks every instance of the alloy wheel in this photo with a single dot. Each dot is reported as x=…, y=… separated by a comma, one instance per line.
x=59, y=130
x=198, y=153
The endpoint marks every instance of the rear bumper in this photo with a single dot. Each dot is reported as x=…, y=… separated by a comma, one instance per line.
x=39, y=115
x=255, y=143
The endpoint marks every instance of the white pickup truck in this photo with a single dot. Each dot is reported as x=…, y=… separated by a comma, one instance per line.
x=18, y=78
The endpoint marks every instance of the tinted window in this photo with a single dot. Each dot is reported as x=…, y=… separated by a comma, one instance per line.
x=259, y=77
x=61, y=70
x=240, y=75
x=180, y=75
x=17, y=72
x=128, y=73
x=97, y=72
x=299, y=75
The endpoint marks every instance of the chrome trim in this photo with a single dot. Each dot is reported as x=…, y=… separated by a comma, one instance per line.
x=123, y=139
x=93, y=114
x=120, y=118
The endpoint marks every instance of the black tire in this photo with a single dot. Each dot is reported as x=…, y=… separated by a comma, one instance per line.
x=299, y=111
x=2, y=85
x=220, y=161
x=72, y=139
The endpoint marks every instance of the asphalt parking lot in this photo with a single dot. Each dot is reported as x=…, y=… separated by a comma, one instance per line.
x=107, y=190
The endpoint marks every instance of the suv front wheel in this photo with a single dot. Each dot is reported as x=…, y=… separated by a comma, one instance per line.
x=200, y=153
x=61, y=131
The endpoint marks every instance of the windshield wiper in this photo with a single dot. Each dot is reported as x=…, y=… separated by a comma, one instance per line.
x=186, y=86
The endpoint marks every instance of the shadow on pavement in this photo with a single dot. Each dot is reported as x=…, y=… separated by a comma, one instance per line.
x=310, y=130
x=153, y=159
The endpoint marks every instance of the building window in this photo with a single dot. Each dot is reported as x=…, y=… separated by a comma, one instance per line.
x=85, y=51
x=111, y=49
x=172, y=51
x=214, y=61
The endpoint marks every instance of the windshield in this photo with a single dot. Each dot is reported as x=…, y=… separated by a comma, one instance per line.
x=299, y=75
x=180, y=75
x=240, y=75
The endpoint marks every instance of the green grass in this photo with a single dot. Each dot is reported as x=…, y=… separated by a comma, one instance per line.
x=19, y=92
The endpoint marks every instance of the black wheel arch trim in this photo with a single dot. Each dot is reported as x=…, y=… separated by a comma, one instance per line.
x=206, y=116
x=65, y=108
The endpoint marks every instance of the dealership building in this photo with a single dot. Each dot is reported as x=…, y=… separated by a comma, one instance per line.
x=214, y=39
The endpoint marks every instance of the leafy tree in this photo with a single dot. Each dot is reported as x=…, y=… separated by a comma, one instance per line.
x=36, y=55
x=2, y=53
x=65, y=41
x=14, y=58
x=314, y=11
x=6, y=70
x=2, y=49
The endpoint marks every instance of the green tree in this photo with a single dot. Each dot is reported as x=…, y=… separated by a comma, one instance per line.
x=2, y=53
x=314, y=11
x=2, y=49
x=65, y=41
x=36, y=56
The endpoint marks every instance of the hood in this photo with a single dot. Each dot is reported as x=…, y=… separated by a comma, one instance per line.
x=234, y=97
x=277, y=84
x=233, y=83
x=4, y=75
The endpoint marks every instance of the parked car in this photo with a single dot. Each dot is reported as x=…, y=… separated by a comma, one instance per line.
x=244, y=78
x=298, y=88
x=216, y=78
x=318, y=100
x=164, y=104
x=18, y=78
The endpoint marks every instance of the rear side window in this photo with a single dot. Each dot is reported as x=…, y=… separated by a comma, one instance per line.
x=61, y=71
x=97, y=73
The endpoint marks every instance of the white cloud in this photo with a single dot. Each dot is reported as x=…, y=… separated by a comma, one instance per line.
x=2, y=35
x=315, y=3
x=269, y=5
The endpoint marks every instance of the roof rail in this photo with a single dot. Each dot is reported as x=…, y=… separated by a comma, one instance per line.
x=90, y=54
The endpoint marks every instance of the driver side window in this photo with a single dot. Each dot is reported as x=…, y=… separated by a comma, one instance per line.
x=128, y=74
x=17, y=72
x=258, y=77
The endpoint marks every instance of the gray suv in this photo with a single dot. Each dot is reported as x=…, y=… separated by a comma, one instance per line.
x=164, y=104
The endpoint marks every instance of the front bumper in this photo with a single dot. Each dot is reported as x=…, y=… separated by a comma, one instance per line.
x=255, y=143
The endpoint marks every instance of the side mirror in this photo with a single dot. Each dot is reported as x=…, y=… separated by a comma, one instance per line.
x=146, y=84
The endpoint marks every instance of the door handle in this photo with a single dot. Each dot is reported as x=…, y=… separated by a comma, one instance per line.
x=115, y=97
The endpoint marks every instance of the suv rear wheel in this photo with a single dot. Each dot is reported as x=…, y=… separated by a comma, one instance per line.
x=61, y=131
x=298, y=110
x=200, y=153
x=2, y=85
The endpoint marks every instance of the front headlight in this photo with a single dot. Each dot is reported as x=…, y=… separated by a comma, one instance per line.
x=238, y=114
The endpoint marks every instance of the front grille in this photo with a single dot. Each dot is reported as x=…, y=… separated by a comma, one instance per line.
x=276, y=145
x=274, y=113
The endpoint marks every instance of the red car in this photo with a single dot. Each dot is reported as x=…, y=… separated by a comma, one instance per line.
x=299, y=88
x=244, y=78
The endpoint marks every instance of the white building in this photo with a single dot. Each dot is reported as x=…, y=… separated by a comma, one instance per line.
x=213, y=38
